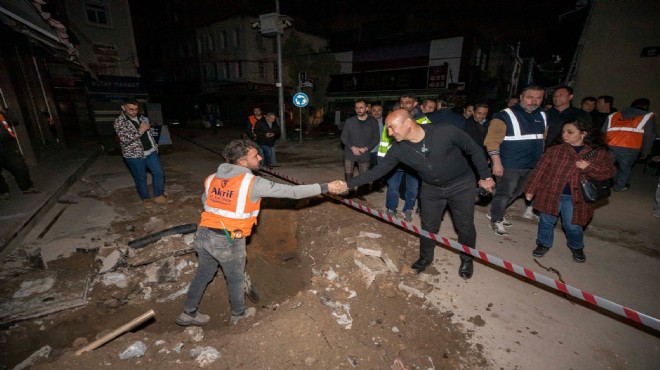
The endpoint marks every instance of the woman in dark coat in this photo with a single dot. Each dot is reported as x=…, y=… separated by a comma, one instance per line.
x=555, y=186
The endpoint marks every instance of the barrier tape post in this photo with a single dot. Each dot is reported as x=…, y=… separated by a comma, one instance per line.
x=530, y=275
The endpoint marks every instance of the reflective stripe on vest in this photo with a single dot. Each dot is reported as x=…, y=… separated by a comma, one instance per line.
x=239, y=214
x=516, y=128
x=386, y=140
x=4, y=123
x=626, y=133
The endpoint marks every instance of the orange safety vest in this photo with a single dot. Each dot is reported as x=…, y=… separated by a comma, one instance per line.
x=228, y=205
x=4, y=123
x=253, y=120
x=626, y=133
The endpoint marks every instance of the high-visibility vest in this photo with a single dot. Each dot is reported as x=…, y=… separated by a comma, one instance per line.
x=523, y=142
x=516, y=135
x=7, y=127
x=626, y=132
x=386, y=140
x=228, y=204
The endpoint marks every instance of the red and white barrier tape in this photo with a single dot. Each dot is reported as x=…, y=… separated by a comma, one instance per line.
x=629, y=313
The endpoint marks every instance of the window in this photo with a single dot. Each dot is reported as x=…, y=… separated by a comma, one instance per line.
x=96, y=13
x=262, y=70
x=238, y=69
x=223, y=40
x=237, y=37
x=200, y=44
x=221, y=70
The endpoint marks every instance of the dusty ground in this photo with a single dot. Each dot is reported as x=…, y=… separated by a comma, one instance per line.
x=301, y=260
x=318, y=309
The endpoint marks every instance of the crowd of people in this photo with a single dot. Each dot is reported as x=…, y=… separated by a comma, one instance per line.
x=442, y=156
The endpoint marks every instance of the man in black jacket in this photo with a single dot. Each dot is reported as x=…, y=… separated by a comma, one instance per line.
x=267, y=131
x=436, y=153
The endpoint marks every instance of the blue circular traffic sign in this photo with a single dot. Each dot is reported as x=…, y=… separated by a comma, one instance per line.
x=300, y=100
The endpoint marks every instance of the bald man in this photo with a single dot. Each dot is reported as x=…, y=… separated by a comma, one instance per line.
x=435, y=152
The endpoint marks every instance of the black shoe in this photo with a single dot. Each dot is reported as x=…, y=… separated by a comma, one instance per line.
x=540, y=251
x=420, y=265
x=466, y=269
x=578, y=255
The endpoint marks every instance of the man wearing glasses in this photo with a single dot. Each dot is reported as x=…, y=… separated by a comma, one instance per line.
x=140, y=152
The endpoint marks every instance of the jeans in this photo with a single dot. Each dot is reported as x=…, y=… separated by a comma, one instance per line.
x=625, y=159
x=213, y=250
x=574, y=233
x=393, y=183
x=268, y=154
x=509, y=186
x=459, y=195
x=139, y=167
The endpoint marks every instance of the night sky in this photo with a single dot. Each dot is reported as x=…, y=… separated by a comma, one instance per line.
x=534, y=24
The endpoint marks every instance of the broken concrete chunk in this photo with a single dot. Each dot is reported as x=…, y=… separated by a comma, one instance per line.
x=416, y=288
x=136, y=349
x=115, y=278
x=390, y=264
x=196, y=333
x=204, y=356
x=369, y=235
x=174, y=295
x=110, y=262
x=43, y=352
x=189, y=239
x=34, y=287
x=369, y=247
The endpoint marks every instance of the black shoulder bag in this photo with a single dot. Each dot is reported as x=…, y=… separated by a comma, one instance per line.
x=593, y=190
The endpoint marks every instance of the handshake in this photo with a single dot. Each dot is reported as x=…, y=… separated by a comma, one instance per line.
x=337, y=187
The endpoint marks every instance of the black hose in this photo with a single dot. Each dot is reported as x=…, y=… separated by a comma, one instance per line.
x=144, y=241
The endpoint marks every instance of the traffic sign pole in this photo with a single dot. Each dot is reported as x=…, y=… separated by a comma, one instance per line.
x=300, y=100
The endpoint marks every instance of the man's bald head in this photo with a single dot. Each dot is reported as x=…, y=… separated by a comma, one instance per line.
x=399, y=124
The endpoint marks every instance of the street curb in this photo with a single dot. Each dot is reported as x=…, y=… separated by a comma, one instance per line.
x=18, y=236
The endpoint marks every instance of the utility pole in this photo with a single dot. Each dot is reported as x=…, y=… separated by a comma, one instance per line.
x=273, y=24
x=280, y=86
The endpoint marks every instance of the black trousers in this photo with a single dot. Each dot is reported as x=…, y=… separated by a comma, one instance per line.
x=11, y=161
x=459, y=196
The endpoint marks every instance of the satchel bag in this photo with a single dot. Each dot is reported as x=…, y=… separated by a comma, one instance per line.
x=593, y=190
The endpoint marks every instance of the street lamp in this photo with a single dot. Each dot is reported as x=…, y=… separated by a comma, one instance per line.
x=274, y=24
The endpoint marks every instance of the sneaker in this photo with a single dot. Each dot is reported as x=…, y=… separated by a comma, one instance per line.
x=529, y=214
x=578, y=255
x=540, y=251
x=161, y=199
x=505, y=221
x=249, y=312
x=148, y=203
x=407, y=215
x=198, y=319
x=390, y=213
x=498, y=227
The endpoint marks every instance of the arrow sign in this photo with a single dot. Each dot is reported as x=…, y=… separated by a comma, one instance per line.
x=300, y=100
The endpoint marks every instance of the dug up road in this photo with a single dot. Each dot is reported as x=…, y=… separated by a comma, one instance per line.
x=334, y=284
